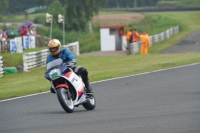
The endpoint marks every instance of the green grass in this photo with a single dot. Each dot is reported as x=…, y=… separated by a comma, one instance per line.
x=188, y=22
x=154, y=24
x=181, y=3
x=21, y=18
x=15, y=59
x=101, y=68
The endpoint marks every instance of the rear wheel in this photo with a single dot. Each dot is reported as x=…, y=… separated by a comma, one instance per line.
x=90, y=104
x=65, y=99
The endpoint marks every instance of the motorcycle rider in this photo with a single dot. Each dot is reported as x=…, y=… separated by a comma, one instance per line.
x=68, y=57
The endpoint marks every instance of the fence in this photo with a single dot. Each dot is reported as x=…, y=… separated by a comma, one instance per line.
x=17, y=24
x=135, y=47
x=4, y=46
x=7, y=46
x=37, y=59
x=33, y=60
x=1, y=66
x=17, y=44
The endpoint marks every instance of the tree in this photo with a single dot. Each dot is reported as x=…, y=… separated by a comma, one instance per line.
x=19, y=6
x=135, y=3
x=79, y=12
x=44, y=2
x=130, y=3
x=3, y=6
x=55, y=8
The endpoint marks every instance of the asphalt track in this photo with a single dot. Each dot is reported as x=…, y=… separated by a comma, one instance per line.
x=165, y=101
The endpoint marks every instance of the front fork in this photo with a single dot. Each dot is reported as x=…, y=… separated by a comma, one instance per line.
x=66, y=88
x=68, y=94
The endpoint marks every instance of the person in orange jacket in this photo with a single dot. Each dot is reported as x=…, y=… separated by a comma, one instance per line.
x=145, y=43
x=129, y=40
x=135, y=35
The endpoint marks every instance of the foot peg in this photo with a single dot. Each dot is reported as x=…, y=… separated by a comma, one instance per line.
x=89, y=95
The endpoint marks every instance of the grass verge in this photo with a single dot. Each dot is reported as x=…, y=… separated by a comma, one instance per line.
x=100, y=68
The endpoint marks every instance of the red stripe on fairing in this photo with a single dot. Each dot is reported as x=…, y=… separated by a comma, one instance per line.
x=80, y=92
x=68, y=74
x=62, y=85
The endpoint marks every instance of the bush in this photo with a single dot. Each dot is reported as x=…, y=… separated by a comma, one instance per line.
x=39, y=20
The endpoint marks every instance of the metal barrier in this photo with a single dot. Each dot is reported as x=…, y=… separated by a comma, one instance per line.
x=1, y=66
x=136, y=46
x=33, y=60
x=37, y=59
x=4, y=46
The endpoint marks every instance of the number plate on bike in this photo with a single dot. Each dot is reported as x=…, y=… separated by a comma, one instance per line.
x=54, y=73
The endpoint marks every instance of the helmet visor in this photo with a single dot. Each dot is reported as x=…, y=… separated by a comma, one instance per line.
x=53, y=49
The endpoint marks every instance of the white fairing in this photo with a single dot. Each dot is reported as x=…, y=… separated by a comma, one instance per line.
x=78, y=84
x=72, y=77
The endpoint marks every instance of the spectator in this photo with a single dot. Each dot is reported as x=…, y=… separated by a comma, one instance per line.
x=135, y=35
x=3, y=42
x=33, y=33
x=33, y=29
x=6, y=31
x=145, y=43
x=3, y=36
x=23, y=31
x=128, y=40
x=29, y=31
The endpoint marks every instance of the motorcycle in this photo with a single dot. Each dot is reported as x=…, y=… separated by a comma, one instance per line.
x=68, y=86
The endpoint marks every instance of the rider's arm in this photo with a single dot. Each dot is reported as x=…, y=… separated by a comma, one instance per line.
x=49, y=58
x=69, y=55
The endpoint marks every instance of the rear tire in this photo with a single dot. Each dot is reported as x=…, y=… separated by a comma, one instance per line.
x=90, y=104
x=66, y=103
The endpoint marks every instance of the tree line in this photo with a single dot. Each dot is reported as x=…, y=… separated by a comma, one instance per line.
x=17, y=6
x=77, y=13
x=130, y=3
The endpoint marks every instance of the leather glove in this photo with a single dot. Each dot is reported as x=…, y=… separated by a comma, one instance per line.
x=72, y=63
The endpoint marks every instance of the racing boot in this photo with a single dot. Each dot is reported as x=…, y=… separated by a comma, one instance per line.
x=88, y=88
x=89, y=91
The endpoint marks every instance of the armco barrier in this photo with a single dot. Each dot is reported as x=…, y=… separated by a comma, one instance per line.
x=135, y=47
x=1, y=66
x=74, y=47
x=38, y=59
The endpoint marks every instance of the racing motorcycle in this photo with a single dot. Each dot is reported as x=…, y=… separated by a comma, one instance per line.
x=68, y=86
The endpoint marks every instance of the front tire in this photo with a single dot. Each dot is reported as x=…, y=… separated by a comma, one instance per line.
x=90, y=104
x=65, y=101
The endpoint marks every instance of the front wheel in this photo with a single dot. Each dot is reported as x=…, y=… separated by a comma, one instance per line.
x=65, y=100
x=90, y=104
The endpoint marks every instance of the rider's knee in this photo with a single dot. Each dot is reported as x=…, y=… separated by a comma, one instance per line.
x=83, y=71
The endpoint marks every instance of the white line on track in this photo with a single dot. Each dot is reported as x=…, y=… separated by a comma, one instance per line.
x=104, y=80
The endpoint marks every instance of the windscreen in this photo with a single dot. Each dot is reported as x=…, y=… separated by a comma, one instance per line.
x=53, y=63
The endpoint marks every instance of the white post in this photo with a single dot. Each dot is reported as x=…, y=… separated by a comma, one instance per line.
x=90, y=26
x=63, y=30
x=51, y=27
